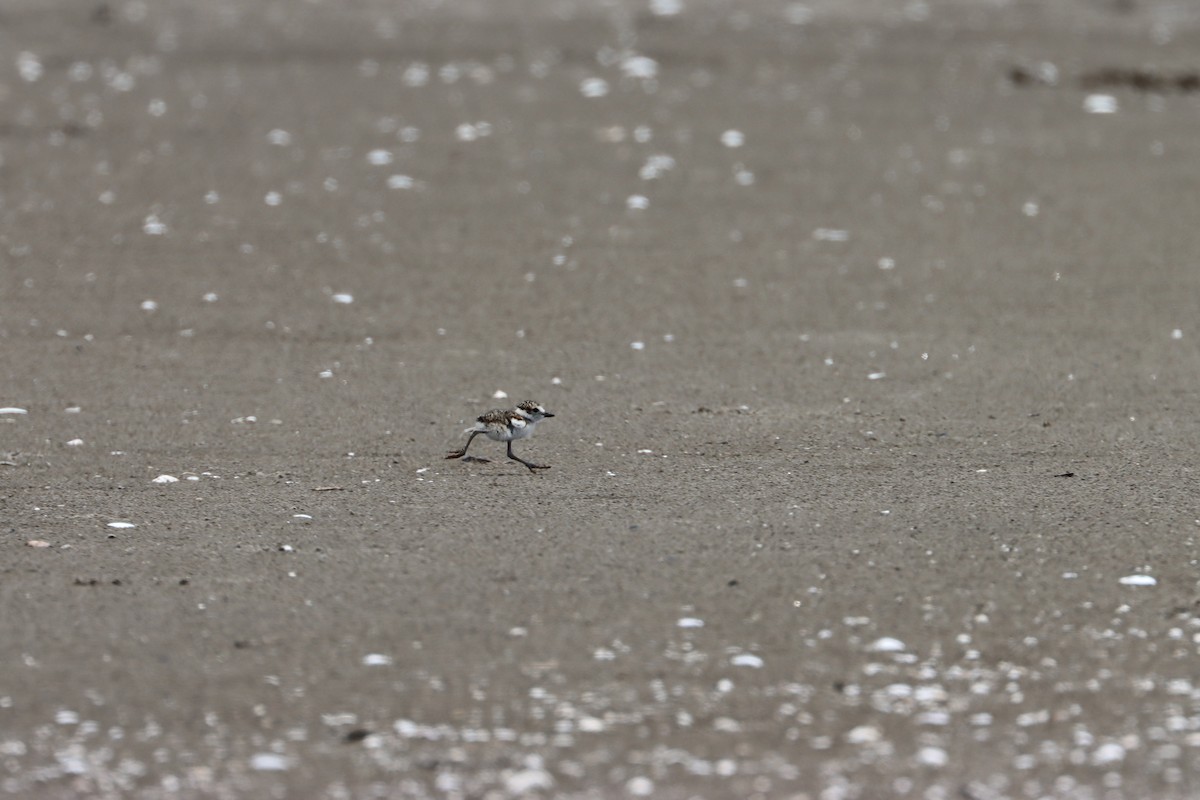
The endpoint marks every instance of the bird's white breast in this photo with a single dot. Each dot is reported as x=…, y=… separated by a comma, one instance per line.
x=522, y=429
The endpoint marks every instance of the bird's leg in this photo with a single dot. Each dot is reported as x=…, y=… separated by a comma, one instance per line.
x=532, y=467
x=462, y=452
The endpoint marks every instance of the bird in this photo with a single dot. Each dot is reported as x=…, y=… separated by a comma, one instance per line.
x=507, y=425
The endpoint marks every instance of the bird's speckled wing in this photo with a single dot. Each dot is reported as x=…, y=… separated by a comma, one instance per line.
x=499, y=424
x=497, y=416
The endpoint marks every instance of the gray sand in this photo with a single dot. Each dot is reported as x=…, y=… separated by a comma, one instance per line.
x=915, y=391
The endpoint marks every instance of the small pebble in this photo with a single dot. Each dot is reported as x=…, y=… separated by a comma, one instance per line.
x=377, y=660
x=268, y=762
x=887, y=645
x=933, y=756
x=640, y=786
x=747, y=660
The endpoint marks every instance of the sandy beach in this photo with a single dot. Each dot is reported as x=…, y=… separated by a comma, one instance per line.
x=870, y=330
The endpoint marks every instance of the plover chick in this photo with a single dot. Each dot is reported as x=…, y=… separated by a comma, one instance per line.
x=500, y=425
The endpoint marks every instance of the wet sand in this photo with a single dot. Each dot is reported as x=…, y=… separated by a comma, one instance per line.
x=871, y=338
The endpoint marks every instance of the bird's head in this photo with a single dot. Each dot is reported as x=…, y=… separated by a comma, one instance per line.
x=534, y=411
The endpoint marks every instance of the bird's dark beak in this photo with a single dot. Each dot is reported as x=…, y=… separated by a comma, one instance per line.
x=547, y=415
